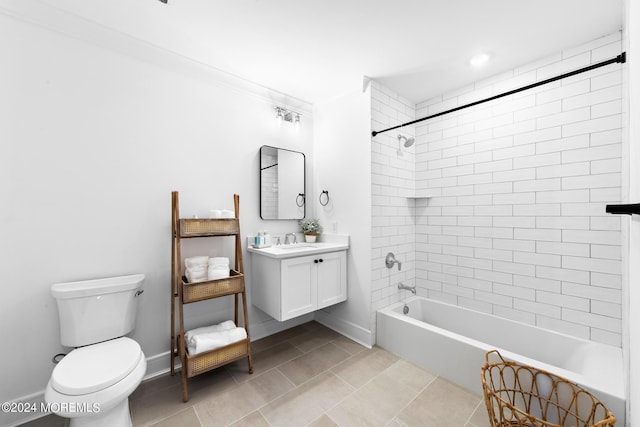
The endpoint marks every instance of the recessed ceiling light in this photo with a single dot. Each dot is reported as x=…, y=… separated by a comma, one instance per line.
x=479, y=60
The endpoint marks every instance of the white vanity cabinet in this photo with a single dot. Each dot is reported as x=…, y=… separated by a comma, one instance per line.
x=289, y=287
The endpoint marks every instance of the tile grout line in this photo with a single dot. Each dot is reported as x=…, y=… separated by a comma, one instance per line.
x=435, y=377
x=288, y=379
x=277, y=368
x=264, y=417
x=354, y=388
x=301, y=384
x=330, y=371
x=481, y=403
x=197, y=415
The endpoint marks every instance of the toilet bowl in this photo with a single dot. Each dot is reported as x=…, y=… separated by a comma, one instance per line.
x=92, y=384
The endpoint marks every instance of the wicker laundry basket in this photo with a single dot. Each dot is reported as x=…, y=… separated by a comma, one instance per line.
x=520, y=395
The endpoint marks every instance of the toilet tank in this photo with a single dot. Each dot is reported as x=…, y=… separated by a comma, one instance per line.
x=97, y=310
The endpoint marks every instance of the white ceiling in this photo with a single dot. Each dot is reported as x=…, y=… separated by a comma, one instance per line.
x=315, y=50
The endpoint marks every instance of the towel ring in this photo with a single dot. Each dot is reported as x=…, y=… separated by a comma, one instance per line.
x=326, y=201
x=300, y=200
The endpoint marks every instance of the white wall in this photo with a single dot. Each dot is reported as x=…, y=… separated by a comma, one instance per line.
x=393, y=207
x=342, y=165
x=632, y=33
x=93, y=142
x=518, y=225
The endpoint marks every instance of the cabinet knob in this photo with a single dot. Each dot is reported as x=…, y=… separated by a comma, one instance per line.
x=315, y=260
x=321, y=260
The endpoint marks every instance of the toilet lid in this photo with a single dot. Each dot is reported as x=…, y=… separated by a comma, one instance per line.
x=95, y=367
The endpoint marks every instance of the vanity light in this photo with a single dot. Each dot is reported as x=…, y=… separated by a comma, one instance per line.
x=282, y=114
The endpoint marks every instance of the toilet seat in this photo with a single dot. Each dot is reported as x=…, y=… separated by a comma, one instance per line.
x=95, y=367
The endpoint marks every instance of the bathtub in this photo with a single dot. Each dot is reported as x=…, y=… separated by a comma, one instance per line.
x=451, y=341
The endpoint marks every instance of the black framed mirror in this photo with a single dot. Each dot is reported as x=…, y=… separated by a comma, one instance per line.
x=282, y=183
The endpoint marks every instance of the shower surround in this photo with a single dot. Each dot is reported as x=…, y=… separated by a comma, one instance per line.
x=516, y=226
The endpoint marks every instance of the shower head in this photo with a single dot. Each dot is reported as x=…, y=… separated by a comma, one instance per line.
x=408, y=141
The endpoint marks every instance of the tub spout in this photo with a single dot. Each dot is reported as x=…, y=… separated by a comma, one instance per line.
x=408, y=288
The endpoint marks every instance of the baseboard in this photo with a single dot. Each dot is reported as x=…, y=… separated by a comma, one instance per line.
x=346, y=328
x=159, y=364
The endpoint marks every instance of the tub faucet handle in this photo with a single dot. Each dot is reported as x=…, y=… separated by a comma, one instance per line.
x=390, y=260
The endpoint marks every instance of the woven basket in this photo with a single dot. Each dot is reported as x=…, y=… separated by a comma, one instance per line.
x=203, y=362
x=208, y=227
x=192, y=292
x=520, y=395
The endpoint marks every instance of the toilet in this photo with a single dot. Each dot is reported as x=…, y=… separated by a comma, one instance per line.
x=92, y=383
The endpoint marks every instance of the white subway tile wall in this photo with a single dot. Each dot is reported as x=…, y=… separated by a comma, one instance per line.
x=518, y=225
x=393, y=183
x=537, y=168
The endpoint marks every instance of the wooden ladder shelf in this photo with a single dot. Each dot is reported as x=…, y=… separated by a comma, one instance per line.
x=183, y=292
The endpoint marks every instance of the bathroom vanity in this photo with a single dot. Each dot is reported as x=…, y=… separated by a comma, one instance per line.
x=292, y=280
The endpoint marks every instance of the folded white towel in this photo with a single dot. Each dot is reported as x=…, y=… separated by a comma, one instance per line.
x=219, y=260
x=196, y=261
x=215, y=273
x=222, y=326
x=197, y=276
x=197, y=273
x=215, y=213
x=213, y=340
x=227, y=214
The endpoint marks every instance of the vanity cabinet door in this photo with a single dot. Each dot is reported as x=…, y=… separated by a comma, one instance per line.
x=299, y=286
x=332, y=278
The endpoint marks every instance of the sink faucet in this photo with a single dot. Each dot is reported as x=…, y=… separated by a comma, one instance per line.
x=408, y=288
x=286, y=238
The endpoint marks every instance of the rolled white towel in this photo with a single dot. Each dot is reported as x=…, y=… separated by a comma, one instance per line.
x=196, y=261
x=215, y=213
x=222, y=326
x=227, y=214
x=213, y=340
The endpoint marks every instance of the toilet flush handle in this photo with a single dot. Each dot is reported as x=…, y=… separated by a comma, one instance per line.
x=139, y=292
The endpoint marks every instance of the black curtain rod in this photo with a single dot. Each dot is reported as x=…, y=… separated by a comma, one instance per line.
x=622, y=58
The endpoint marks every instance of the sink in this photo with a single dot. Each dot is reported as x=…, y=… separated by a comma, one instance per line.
x=295, y=246
x=299, y=249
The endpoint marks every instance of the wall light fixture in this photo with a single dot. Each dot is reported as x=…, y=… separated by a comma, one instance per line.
x=282, y=114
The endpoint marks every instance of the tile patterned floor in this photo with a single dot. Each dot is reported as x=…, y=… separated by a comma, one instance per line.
x=308, y=376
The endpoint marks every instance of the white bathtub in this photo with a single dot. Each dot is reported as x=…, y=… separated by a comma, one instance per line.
x=451, y=341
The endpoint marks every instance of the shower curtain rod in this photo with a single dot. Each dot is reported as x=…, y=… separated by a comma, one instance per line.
x=622, y=58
